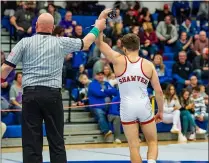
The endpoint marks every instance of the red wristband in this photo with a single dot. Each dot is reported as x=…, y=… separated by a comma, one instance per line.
x=2, y=80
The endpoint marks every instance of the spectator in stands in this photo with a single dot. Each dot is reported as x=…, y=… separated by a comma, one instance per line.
x=114, y=117
x=201, y=43
x=22, y=21
x=5, y=87
x=118, y=47
x=4, y=106
x=166, y=32
x=3, y=129
x=199, y=106
x=181, y=71
x=135, y=30
x=101, y=92
x=203, y=94
x=186, y=117
x=78, y=33
x=107, y=72
x=180, y=10
x=144, y=16
x=148, y=40
x=58, y=31
x=8, y=8
x=201, y=65
x=81, y=71
x=185, y=44
x=187, y=27
x=83, y=93
x=113, y=81
x=161, y=71
x=16, y=93
x=52, y=10
x=172, y=113
x=115, y=26
x=165, y=12
x=68, y=24
x=129, y=20
x=202, y=15
x=193, y=83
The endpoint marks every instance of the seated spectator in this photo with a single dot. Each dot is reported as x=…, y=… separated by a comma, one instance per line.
x=166, y=32
x=199, y=106
x=180, y=10
x=22, y=21
x=8, y=8
x=83, y=93
x=163, y=13
x=203, y=94
x=113, y=81
x=161, y=71
x=193, y=83
x=118, y=47
x=181, y=71
x=16, y=96
x=144, y=16
x=5, y=87
x=135, y=30
x=201, y=43
x=201, y=65
x=114, y=117
x=115, y=26
x=78, y=33
x=171, y=112
x=52, y=10
x=3, y=129
x=107, y=72
x=148, y=40
x=187, y=27
x=186, y=117
x=129, y=20
x=202, y=15
x=185, y=44
x=101, y=92
x=68, y=24
x=58, y=31
x=81, y=71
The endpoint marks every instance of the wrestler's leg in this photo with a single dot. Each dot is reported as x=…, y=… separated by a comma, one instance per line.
x=150, y=132
x=132, y=134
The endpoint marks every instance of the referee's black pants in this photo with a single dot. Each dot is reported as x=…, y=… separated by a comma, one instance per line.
x=42, y=103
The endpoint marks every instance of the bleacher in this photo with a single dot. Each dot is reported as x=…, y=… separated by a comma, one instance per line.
x=82, y=128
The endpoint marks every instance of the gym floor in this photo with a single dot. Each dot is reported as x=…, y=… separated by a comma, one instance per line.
x=169, y=152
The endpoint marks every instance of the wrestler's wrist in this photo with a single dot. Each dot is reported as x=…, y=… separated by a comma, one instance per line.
x=95, y=31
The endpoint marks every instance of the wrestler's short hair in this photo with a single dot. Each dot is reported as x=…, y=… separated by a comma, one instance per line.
x=130, y=42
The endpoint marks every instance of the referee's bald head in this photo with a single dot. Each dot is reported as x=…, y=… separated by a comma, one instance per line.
x=45, y=23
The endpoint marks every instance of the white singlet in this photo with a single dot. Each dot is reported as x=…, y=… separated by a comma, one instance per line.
x=135, y=106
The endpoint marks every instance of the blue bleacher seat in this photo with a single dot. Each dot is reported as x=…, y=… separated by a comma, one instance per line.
x=9, y=119
x=168, y=49
x=162, y=127
x=62, y=12
x=169, y=64
x=169, y=56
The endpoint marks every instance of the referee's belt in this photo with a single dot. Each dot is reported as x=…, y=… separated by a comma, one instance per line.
x=41, y=88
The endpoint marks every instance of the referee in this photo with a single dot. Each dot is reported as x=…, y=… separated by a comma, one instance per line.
x=42, y=57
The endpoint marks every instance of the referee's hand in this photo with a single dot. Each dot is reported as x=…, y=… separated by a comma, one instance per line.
x=100, y=24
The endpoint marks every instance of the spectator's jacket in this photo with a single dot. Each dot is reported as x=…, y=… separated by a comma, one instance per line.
x=163, y=76
x=66, y=24
x=152, y=38
x=191, y=31
x=115, y=108
x=168, y=105
x=9, y=79
x=182, y=72
x=199, y=62
x=79, y=58
x=162, y=29
x=177, y=5
x=200, y=108
x=97, y=95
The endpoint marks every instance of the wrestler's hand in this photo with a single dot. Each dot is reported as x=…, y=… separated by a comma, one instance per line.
x=159, y=117
x=100, y=24
x=104, y=13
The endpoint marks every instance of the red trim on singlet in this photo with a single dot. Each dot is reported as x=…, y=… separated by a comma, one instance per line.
x=135, y=61
x=147, y=122
x=124, y=69
x=143, y=71
x=129, y=123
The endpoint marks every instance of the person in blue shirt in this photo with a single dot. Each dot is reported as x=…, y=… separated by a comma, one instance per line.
x=100, y=92
x=187, y=27
x=114, y=117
